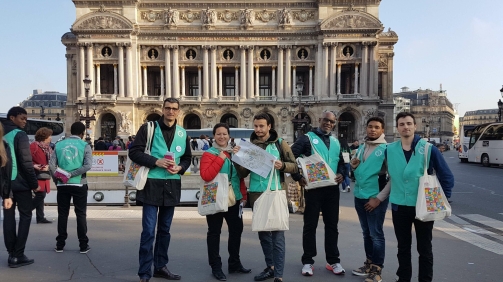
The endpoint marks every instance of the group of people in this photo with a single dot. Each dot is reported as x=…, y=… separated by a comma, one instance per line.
x=384, y=173
x=117, y=144
x=25, y=175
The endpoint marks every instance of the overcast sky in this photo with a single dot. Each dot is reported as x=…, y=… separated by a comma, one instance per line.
x=456, y=43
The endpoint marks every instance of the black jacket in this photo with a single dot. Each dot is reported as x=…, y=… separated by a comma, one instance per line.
x=302, y=146
x=5, y=174
x=100, y=146
x=159, y=192
x=26, y=179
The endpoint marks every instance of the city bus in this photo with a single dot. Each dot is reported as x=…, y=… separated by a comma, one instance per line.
x=486, y=144
x=236, y=133
x=32, y=125
x=464, y=141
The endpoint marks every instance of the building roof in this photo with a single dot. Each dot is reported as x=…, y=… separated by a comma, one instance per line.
x=481, y=112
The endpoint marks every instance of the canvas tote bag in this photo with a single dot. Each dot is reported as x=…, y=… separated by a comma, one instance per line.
x=316, y=171
x=136, y=175
x=431, y=201
x=214, y=195
x=270, y=210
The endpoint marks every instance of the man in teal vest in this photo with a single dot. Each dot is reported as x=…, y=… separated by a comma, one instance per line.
x=23, y=181
x=324, y=199
x=371, y=197
x=74, y=156
x=406, y=163
x=273, y=243
x=162, y=190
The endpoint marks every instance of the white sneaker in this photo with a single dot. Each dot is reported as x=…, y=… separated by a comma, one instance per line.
x=336, y=268
x=307, y=270
x=342, y=189
x=348, y=188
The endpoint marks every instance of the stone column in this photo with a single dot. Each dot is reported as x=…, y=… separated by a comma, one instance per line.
x=273, y=81
x=69, y=91
x=176, y=74
x=145, y=93
x=129, y=60
x=183, y=80
x=339, y=66
x=281, y=69
x=288, y=72
x=294, y=81
x=219, y=82
x=375, y=61
x=90, y=69
x=162, y=81
x=364, y=72
x=214, y=81
x=310, y=81
x=236, y=81
x=333, y=70
x=243, y=72
x=318, y=70
x=206, y=79
x=325, y=70
x=98, y=79
x=250, y=73
x=121, y=70
x=167, y=59
x=390, y=76
x=81, y=73
x=257, y=82
x=199, y=79
x=356, y=78
x=116, y=86
x=373, y=74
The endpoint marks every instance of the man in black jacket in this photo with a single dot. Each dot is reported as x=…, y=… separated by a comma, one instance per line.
x=162, y=190
x=24, y=181
x=100, y=145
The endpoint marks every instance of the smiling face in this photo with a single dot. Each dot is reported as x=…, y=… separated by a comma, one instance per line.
x=19, y=120
x=406, y=127
x=261, y=128
x=374, y=130
x=222, y=136
x=327, y=122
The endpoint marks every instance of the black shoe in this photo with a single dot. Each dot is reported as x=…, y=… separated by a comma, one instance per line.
x=85, y=250
x=268, y=273
x=239, y=269
x=19, y=261
x=144, y=280
x=43, y=220
x=219, y=274
x=165, y=273
x=277, y=280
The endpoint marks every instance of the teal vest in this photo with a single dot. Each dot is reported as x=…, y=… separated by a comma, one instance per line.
x=259, y=183
x=331, y=156
x=9, y=138
x=367, y=172
x=405, y=176
x=230, y=170
x=159, y=148
x=70, y=155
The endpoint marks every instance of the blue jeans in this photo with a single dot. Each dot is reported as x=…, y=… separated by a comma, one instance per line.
x=159, y=255
x=347, y=180
x=273, y=247
x=372, y=227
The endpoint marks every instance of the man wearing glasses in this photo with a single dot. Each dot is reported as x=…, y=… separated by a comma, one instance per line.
x=324, y=199
x=163, y=187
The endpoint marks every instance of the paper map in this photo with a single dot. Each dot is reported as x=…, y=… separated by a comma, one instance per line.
x=254, y=158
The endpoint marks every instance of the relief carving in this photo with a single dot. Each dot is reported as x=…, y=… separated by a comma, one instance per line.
x=171, y=17
x=284, y=17
x=227, y=16
x=247, y=113
x=208, y=17
x=303, y=15
x=102, y=22
x=265, y=16
x=151, y=16
x=247, y=17
x=383, y=61
x=352, y=21
x=190, y=16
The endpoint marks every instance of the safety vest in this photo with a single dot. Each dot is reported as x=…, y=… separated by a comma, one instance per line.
x=9, y=138
x=330, y=156
x=259, y=183
x=70, y=155
x=159, y=148
x=229, y=169
x=367, y=172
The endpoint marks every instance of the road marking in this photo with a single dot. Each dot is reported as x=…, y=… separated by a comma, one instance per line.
x=462, y=192
x=469, y=237
x=487, y=221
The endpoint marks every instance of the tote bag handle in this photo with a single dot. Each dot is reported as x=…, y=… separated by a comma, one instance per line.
x=273, y=174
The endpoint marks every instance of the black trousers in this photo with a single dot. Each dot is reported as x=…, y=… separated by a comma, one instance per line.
x=326, y=200
x=235, y=226
x=38, y=204
x=16, y=243
x=403, y=218
x=64, y=196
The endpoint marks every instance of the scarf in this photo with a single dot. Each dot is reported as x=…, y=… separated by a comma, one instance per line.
x=46, y=149
x=225, y=149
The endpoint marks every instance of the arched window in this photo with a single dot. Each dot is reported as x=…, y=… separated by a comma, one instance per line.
x=192, y=121
x=230, y=119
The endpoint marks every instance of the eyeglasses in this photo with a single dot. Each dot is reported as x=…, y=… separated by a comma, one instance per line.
x=169, y=109
x=326, y=120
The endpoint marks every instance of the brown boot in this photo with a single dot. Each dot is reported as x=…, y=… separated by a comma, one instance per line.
x=375, y=274
x=363, y=270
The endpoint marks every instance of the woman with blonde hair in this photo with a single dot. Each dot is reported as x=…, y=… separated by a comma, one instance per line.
x=5, y=172
x=41, y=152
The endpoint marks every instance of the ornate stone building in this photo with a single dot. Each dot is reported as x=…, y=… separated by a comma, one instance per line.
x=228, y=61
x=48, y=105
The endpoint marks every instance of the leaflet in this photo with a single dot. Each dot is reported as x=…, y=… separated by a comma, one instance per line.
x=254, y=158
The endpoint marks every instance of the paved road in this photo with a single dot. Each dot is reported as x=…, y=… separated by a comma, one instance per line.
x=466, y=247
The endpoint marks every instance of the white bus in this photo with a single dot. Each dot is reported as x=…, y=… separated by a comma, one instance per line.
x=464, y=141
x=486, y=144
x=236, y=133
x=32, y=125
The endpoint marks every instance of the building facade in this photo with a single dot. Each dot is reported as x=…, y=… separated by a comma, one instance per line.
x=227, y=61
x=479, y=117
x=48, y=105
x=433, y=111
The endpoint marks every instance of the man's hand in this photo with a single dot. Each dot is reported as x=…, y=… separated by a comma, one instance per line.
x=37, y=190
x=7, y=203
x=174, y=169
x=303, y=182
x=354, y=163
x=339, y=178
x=372, y=204
x=278, y=164
x=235, y=149
x=164, y=163
x=243, y=202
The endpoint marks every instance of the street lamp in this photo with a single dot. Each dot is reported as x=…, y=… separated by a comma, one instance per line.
x=87, y=118
x=500, y=105
x=42, y=113
x=301, y=124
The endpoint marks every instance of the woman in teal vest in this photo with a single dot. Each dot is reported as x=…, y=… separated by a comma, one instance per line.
x=217, y=160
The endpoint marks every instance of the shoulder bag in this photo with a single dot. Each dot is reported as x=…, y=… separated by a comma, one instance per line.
x=135, y=174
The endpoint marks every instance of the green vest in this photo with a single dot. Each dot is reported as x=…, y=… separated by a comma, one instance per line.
x=230, y=170
x=367, y=172
x=159, y=148
x=70, y=155
x=9, y=138
x=259, y=183
x=331, y=156
x=405, y=176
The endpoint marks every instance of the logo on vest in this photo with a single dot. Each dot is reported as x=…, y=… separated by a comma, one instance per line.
x=315, y=142
x=378, y=153
x=421, y=150
x=70, y=152
x=178, y=149
x=180, y=133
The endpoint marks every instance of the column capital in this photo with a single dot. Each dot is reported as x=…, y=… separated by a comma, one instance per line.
x=182, y=67
x=205, y=47
x=365, y=44
x=213, y=47
x=339, y=64
x=88, y=44
x=250, y=47
x=144, y=67
x=294, y=67
x=81, y=44
x=115, y=65
x=310, y=67
x=357, y=64
x=273, y=67
x=219, y=67
x=161, y=67
x=257, y=67
x=327, y=44
x=68, y=56
x=334, y=44
x=236, y=67
x=199, y=67
x=243, y=47
x=96, y=65
x=391, y=55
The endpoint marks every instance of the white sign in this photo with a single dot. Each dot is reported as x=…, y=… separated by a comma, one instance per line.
x=105, y=163
x=254, y=158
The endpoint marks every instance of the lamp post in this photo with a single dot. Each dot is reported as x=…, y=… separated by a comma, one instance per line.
x=301, y=124
x=87, y=117
x=42, y=112
x=500, y=105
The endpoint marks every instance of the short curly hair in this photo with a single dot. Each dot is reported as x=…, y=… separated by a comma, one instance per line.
x=42, y=134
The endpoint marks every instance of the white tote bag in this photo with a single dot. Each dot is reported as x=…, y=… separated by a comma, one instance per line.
x=431, y=201
x=135, y=175
x=316, y=171
x=270, y=210
x=214, y=195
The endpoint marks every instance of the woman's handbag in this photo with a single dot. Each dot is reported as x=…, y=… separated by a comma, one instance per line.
x=316, y=171
x=270, y=210
x=214, y=195
x=431, y=201
x=136, y=175
x=232, y=196
x=43, y=175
